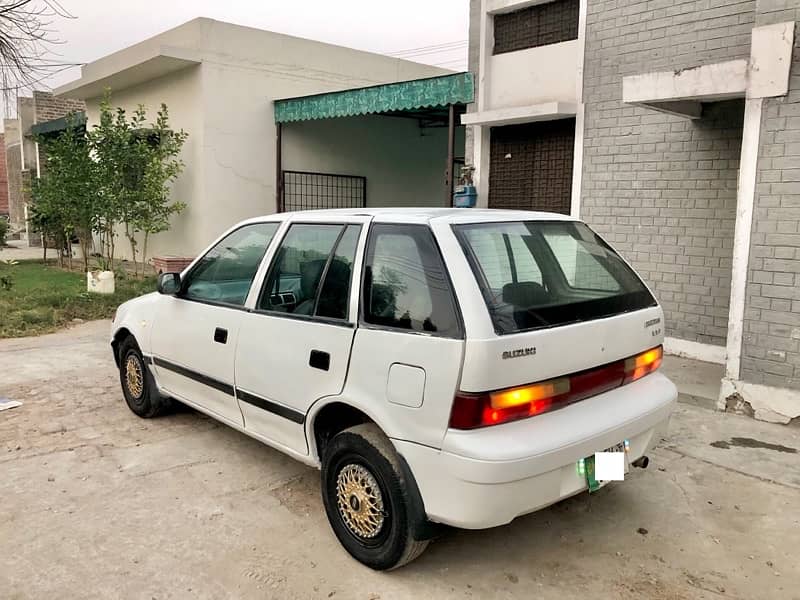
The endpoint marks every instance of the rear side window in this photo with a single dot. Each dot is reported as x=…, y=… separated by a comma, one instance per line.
x=311, y=272
x=538, y=274
x=405, y=283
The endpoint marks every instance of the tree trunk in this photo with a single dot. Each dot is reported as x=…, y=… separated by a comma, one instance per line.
x=60, y=249
x=144, y=251
x=84, y=241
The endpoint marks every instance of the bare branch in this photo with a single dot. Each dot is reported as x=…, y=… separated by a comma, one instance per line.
x=26, y=40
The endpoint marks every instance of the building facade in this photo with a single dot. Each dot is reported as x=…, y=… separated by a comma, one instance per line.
x=673, y=128
x=220, y=81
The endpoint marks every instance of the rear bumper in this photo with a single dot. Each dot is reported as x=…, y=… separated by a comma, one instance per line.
x=487, y=477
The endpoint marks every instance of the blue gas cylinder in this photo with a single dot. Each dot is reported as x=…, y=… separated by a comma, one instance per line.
x=465, y=196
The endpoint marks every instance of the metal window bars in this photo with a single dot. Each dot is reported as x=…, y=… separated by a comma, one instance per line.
x=304, y=190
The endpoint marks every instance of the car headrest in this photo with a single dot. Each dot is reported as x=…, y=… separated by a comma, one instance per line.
x=310, y=273
x=524, y=294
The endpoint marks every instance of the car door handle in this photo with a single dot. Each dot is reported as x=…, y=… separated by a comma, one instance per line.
x=221, y=335
x=319, y=360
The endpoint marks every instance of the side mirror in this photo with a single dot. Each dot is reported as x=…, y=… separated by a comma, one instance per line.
x=169, y=283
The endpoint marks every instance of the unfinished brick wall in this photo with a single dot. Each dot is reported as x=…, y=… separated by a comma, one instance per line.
x=771, y=336
x=661, y=188
x=3, y=177
x=47, y=107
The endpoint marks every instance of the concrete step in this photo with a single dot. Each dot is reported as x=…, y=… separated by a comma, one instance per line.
x=697, y=381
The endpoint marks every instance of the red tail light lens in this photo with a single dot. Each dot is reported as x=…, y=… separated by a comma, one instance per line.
x=491, y=408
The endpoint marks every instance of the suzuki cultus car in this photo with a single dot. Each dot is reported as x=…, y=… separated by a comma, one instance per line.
x=441, y=366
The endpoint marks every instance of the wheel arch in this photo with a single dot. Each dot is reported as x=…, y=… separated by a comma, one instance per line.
x=327, y=418
x=119, y=336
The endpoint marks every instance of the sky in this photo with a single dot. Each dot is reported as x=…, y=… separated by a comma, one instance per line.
x=429, y=31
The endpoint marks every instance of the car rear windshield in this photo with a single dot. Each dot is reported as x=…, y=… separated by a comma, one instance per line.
x=539, y=274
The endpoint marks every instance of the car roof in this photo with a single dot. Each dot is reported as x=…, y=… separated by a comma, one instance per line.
x=423, y=215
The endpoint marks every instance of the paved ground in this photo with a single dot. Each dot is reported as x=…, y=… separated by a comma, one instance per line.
x=17, y=250
x=96, y=503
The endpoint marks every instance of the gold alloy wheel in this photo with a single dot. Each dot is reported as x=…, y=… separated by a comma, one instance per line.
x=360, y=501
x=134, y=377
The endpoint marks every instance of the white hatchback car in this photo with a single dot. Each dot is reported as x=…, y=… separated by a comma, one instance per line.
x=441, y=366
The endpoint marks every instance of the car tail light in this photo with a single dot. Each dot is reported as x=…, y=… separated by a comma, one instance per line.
x=640, y=365
x=471, y=410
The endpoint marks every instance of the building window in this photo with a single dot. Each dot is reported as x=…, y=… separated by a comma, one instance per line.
x=538, y=25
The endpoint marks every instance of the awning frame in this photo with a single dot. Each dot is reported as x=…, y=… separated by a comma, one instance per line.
x=77, y=120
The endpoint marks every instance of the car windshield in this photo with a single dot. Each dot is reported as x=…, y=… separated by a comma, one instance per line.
x=538, y=274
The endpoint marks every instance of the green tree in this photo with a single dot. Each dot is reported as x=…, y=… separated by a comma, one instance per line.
x=117, y=177
x=154, y=165
x=137, y=162
x=64, y=196
x=109, y=143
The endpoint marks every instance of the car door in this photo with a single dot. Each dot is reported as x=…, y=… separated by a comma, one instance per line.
x=195, y=331
x=294, y=346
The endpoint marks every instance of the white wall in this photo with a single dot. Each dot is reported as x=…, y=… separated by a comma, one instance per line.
x=243, y=71
x=404, y=165
x=533, y=76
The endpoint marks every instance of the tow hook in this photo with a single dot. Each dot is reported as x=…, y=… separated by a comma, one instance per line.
x=641, y=462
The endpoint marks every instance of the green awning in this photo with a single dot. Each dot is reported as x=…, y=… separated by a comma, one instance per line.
x=77, y=120
x=391, y=97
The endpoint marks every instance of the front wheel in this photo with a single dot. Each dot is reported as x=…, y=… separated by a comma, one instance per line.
x=138, y=387
x=365, y=499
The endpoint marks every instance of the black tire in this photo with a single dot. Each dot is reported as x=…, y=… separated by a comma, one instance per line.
x=363, y=454
x=137, y=382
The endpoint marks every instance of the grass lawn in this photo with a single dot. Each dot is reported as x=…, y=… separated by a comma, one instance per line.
x=44, y=298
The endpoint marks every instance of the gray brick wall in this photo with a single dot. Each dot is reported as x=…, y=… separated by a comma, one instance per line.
x=661, y=188
x=771, y=341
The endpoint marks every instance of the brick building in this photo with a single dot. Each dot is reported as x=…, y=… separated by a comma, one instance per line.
x=42, y=110
x=673, y=128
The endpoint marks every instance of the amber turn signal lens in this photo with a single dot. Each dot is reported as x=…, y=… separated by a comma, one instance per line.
x=640, y=365
x=529, y=393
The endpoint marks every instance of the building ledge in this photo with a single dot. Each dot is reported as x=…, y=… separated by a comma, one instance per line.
x=547, y=111
x=503, y=6
x=161, y=61
x=683, y=91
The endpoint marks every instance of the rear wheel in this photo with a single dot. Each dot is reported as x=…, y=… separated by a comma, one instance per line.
x=366, y=500
x=137, y=382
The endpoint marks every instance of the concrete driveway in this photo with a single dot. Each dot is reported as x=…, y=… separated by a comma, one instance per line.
x=17, y=250
x=96, y=503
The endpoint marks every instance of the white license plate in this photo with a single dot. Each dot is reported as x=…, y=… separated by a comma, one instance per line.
x=612, y=464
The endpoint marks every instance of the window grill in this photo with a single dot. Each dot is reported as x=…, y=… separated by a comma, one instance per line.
x=304, y=190
x=537, y=25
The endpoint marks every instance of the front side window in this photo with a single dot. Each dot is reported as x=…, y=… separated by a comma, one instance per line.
x=311, y=272
x=225, y=273
x=405, y=283
x=538, y=274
